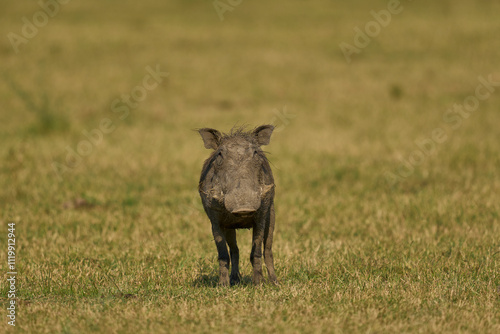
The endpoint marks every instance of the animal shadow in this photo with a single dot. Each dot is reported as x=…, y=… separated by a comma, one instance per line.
x=212, y=281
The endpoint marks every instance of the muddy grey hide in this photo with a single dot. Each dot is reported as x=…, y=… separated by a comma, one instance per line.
x=237, y=191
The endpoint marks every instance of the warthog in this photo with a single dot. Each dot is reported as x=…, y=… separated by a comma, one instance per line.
x=237, y=191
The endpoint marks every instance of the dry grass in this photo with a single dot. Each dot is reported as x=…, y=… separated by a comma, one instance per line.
x=122, y=244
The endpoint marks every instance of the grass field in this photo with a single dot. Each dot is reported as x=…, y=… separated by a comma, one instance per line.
x=387, y=198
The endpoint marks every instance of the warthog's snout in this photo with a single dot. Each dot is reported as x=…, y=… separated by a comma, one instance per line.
x=243, y=202
x=243, y=212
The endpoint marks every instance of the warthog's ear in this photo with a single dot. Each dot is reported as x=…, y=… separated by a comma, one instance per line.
x=211, y=137
x=263, y=134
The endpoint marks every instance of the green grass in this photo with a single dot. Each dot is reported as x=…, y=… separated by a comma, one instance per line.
x=121, y=244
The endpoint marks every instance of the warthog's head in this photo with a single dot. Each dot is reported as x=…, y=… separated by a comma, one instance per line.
x=238, y=169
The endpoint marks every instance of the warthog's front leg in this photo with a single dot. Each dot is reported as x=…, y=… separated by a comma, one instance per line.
x=256, y=254
x=220, y=242
x=235, y=255
x=268, y=245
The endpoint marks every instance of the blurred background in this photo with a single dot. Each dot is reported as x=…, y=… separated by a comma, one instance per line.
x=97, y=142
x=63, y=66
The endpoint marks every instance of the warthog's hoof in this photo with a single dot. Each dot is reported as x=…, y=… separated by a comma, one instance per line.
x=223, y=281
x=234, y=280
x=274, y=281
x=257, y=278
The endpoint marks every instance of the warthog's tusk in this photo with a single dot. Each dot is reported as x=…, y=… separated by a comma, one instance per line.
x=217, y=195
x=265, y=189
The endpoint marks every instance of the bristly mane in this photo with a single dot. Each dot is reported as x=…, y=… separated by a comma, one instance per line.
x=241, y=132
